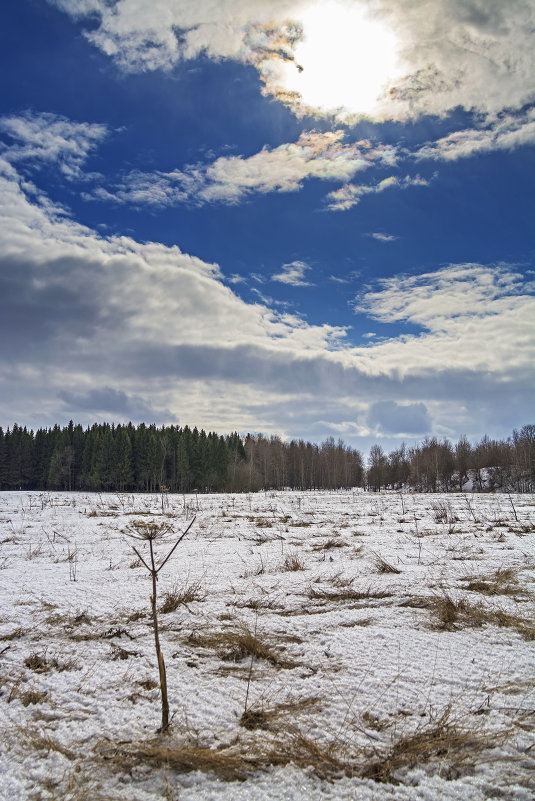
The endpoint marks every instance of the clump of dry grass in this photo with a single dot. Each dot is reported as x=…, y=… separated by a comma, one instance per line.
x=383, y=566
x=502, y=582
x=453, y=614
x=182, y=596
x=135, y=616
x=26, y=697
x=455, y=747
x=41, y=741
x=233, y=645
x=41, y=663
x=148, y=684
x=226, y=764
x=261, y=522
x=257, y=603
x=342, y=594
x=293, y=562
x=332, y=542
x=16, y=634
x=241, y=760
x=261, y=716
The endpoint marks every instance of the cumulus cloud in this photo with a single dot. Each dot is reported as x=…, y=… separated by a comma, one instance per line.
x=390, y=417
x=39, y=138
x=95, y=325
x=476, y=54
x=349, y=195
x=293, y=274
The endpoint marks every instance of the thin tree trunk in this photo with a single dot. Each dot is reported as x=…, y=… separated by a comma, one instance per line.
x=159, y=655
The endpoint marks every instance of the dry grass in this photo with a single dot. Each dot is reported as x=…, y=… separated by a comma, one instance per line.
x=346, y=594
x=332, y=542
x=454, y=747
x=41, y=663
x=257, y=603
x=261, y=716
x=41, y=741
x=239, y=761
x=502, y=582
x=453, y=615
x=182, y=596
x=233, y=645
x=26, y=697
x=383, y=566
x=292, y=563
x=135, y=616
x=262, y=522
x=16, y=634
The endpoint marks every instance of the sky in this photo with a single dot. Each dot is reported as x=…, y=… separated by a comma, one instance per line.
x=306, y=218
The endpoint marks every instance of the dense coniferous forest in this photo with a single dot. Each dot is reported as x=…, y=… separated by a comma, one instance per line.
x=144, y=458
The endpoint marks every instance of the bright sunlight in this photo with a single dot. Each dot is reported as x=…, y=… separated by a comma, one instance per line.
x=346, y=58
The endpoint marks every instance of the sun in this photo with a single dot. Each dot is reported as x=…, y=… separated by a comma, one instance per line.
x=346, y=59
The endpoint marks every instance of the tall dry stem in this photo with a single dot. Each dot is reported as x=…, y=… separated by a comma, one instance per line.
x=150, y=532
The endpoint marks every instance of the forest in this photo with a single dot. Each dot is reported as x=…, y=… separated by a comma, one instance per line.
x=144, y=458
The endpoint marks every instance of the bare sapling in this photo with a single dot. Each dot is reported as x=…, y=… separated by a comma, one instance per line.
x=151, y=532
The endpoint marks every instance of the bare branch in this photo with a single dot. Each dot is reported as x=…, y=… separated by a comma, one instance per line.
x=177, y=543
x=140, y=557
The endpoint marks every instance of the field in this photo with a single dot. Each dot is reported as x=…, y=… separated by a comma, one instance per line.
x=338, y=645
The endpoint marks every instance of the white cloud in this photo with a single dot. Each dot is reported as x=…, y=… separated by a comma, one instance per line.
x=476, y=54
x=473, y=317
x=293, y=274
x=505, y=133
x=88, y=320
x=40, y=138
x=349, y=195
x=382, y=237
x=231, y=179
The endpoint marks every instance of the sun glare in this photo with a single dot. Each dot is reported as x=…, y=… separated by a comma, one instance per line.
x=346, y=58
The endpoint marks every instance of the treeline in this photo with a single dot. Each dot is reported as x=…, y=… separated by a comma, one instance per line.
x=441, y=466
x=128, y=458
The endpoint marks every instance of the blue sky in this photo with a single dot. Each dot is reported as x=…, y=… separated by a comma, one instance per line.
x=301, y=218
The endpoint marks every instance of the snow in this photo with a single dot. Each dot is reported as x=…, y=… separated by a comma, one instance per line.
x=360, y=660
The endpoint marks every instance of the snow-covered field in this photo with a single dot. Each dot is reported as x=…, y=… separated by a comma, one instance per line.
x=393, y=638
